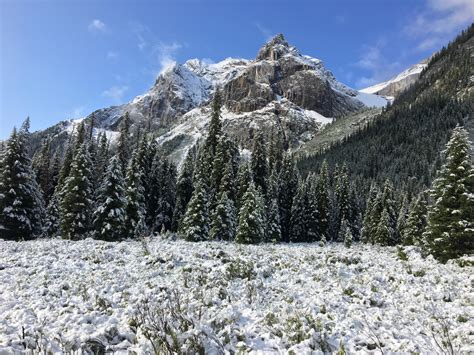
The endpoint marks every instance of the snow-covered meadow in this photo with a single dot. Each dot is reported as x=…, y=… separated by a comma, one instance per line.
x=165, y=295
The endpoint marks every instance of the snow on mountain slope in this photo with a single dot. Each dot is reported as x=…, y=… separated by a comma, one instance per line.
x=399, y=83
x=61, y=297
x=292, y=90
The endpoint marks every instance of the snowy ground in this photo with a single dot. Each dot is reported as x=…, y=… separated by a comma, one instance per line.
x=62, y=296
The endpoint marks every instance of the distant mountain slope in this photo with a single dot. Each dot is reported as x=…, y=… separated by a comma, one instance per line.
x=393, y=87
x=280, y=89
x=404, y=142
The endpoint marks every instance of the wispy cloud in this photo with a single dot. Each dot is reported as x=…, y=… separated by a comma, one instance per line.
x=141, y=32
x=266, y=33
x=378, y=67
x=97, y=26
x=111, y=55
x=115, y=93
x=438, y=21
x=165, y=54
x=76, y=112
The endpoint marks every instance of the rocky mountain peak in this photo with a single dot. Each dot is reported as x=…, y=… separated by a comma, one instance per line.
x=274, y=49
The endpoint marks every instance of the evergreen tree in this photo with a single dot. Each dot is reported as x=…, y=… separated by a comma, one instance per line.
x=21, y=203
x=228, y=182
x=52, y=223
x=322, y=197
x=215, y=126
x=348, y=237
x=251, y=228
x=298, y=222
x=223, y=219
x=259, y=163
x=166, y=202
x=195, y=225
x=109, y=217
x=369, y=223
x=384, y=232
x=288, y=187
x=416, y=222
x=184, y=190
x=389, y=204
x=123, y=146
x=66, y=165
x=75, y=203
x=402, y=217
x=41, y=167
x=273, y=230
x=450, y=229
x=135, y=208
x=275, y=151
x=244, y=177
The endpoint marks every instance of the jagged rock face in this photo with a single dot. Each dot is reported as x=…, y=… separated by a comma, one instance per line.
x=279, y=70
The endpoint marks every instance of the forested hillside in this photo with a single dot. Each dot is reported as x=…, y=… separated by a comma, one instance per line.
x=405, y=141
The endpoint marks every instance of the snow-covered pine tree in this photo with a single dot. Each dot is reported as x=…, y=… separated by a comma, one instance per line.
x=223, y=219
x=322, y=197
x=298, y=222
x=260, y=163
x=348, y=237
x=195, y=225
x=416, y=222
x=355, y=214
x=251, y=227
x=288, y=187
x=75, y=204
x=384, y=232
x=109, y=217
x=275, y=151
x=66, y=164
x=52, y=222
x=369, y=223
x=402, y=217
x=244, y=178
x=134, y=192
x=273, y=228
x=21, y=202
x=450, y=228
x=123, y=145
x=103, y=155
x=166, y=202
x=342, y=191
x=41, y=166
x=215, y=126
x=228, y=182
x=184, y=190
x=389, y=204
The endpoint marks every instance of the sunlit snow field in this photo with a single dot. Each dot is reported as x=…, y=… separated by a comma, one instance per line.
x=221, y=297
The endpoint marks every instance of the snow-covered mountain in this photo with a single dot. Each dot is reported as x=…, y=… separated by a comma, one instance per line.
x=391, y=88
x=280, y=88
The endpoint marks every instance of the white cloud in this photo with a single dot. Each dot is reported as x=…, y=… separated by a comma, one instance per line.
x=266, y=33
x=141, y=32
x=76, y=112
x=439, y=21
x=379, y=68
x=115, y=93
x=112, y=55
x=165, y=55
x=97, y=26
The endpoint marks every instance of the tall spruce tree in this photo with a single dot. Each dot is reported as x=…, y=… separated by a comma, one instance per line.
x=450, y=229
x=322, y=197
x=135, y=208
x=369, y=223
x=223, y=219
x=288, y=187
x=260, y=163
x=21, y=203
x=123, y=145
x=251, y=227
x=42, y=168
x=109, y=217
x=273, y=230
x=76, y=204
x=416, y=222
x=215, y=126
x=184, y=190
x=244, y=178
x=195, y=225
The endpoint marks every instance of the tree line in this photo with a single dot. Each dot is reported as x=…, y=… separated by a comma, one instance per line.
x=130, y=189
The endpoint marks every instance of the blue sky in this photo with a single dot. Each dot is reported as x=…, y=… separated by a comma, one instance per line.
x=63, y=59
